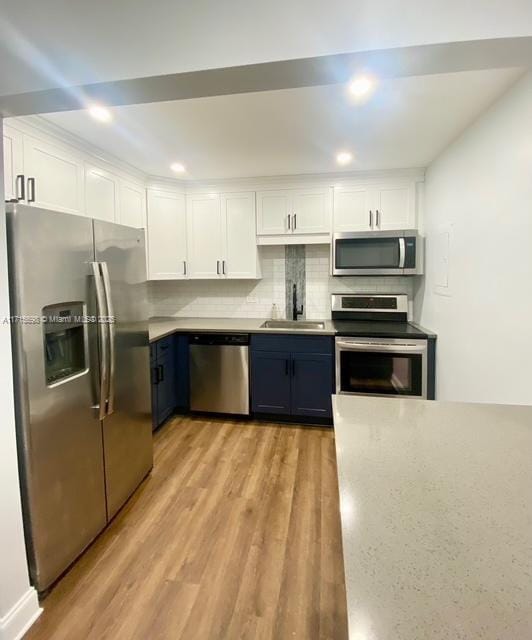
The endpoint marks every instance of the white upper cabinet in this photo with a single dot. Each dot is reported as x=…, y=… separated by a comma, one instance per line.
x=204, y=236
x=240, y=258
x=132, y=205
x=311, y=211
x=395, y=207
x=273, y=211
x=289, y=212
x=166, y=235
x=382, y=207
x=13, y=164
x=101, y=194
x=352, y=208
x=54, y=177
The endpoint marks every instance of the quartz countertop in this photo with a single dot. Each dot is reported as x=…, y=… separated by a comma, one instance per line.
x=161, y=327
x=436, y=512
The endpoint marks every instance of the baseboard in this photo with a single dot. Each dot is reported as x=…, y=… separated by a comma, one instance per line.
x=16, y=622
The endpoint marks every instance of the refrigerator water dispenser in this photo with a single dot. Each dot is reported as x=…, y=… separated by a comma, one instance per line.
x=65, y=341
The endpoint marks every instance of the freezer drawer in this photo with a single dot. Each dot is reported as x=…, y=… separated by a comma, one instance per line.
x=219, y=373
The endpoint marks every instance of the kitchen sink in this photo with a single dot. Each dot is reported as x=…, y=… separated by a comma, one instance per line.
x=293, y=324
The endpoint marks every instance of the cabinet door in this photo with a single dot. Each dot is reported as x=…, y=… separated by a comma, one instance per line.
x=154, y=386
x=132, y=208
x=395, y=207
x=270, y=382
x=311, y=211
x=273, y=208
x=312, y=384
x=101, y=194
x=352, y=207
x=167, y=235
x=239, y=235
x=166, y=386
x=58, y=175
x=13, y=161
x=204, y=233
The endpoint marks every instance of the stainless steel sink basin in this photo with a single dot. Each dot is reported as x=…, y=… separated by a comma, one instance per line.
x=293, y=324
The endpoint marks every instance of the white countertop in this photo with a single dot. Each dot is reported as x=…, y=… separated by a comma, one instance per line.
x=161, y=327
x=436, y=511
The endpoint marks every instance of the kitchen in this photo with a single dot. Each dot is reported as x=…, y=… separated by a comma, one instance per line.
x=296, y=264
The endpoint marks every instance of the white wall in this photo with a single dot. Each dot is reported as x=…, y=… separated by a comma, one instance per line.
x=479, y=192
x=18, y=601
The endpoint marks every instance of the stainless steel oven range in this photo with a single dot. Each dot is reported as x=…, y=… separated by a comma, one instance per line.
x=378, y=352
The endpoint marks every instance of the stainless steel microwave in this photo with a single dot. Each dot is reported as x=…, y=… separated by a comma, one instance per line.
x=377, y=253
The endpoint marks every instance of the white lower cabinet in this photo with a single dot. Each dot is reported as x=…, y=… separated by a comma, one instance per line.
x=13, y=164
x=166, y=236
x=382, y=207
x=101, y=194
x=240, y=257
x=54, y=177
x=132, y=205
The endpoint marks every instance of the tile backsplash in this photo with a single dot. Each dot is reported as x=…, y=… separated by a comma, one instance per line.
x=320, y=284
x=225, y=298
x=255, y=298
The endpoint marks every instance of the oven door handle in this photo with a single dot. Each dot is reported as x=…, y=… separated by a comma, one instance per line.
x=375, y=346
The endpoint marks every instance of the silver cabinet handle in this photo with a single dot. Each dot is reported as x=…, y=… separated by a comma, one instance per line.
x=288, y=222
x=217, y=267
x=295, y=221
x=377, y=217
x=102, y=338
x=31, y=192
x=223, y=267
x=111, y=337
x=21, y=187
x=184, y=267
x=371, y=219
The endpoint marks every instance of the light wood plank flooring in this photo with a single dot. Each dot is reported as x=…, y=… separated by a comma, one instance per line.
x=235, y=534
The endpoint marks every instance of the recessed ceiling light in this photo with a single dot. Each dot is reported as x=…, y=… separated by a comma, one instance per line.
x=362, y=86
x=177, y=167
x=344, y=157
x=100, y=113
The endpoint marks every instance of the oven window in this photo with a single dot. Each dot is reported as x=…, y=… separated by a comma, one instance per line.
x=392, y=374
x=367, y=253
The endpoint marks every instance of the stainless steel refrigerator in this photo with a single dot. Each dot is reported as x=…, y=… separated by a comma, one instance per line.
x=82, y=383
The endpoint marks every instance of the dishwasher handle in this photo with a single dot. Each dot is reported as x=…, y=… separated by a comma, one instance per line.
x=218, y=339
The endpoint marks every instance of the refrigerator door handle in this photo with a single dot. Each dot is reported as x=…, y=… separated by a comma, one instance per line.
x=111, y=336
x=102, y=339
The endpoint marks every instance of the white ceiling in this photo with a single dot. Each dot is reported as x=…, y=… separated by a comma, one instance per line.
x=55, y=43
x=406, y=123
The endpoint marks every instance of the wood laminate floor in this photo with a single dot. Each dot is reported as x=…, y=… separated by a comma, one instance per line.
x=236, y=534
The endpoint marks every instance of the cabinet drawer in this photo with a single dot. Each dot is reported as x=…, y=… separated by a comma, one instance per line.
x=292, y=343
x=163, y=346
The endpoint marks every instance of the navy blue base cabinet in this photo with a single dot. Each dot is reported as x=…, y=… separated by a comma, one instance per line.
x=169, y=377
x=292, y=376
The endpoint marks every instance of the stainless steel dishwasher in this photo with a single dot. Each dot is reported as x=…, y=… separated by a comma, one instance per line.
x=219, y=373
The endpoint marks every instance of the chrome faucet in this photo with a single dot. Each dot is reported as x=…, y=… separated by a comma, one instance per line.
x=295, y=310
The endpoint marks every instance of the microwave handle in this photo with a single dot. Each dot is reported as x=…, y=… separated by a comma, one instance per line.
x=402, y=253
